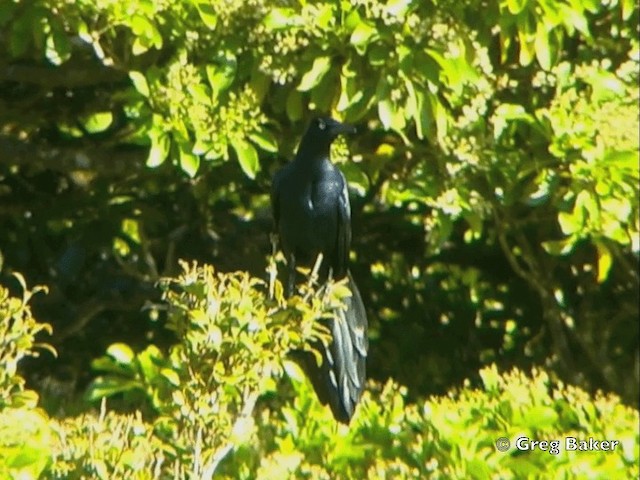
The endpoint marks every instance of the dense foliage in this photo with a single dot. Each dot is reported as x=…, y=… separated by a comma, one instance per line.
x=495, y=194
x=215, y=411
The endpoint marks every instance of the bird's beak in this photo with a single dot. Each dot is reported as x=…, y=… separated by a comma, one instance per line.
x=343, y=129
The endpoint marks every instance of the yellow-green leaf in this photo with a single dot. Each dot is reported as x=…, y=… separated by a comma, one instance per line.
x=516, y=6
x=189, y=162
x=120, y=352
x=314, y=76
x=139, y=82
x=247, y=157
x=265, y=140
x=542, y=47
x=362, y=36
x=98, y=122
x=207, y=15
x=159, y=149
x=605, y=260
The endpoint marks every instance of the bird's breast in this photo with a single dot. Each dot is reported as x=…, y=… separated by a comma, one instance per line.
x=308, y=218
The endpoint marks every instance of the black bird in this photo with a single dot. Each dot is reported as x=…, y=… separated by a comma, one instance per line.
x=310, y=203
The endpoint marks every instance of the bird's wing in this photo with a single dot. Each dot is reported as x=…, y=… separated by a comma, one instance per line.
x=343, y=238
x=345, y=359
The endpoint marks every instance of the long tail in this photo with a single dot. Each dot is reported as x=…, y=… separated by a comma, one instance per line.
x=339, y=381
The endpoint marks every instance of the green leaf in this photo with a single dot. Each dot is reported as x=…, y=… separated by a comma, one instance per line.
x=628, y=7
x=171, y=376
x=574, y=18
x=559, y=247
x=265, y=140
x=542, y=47
x=280, y=18
x=189, y=162
x=385, y=112
x=378, y=55
x=222, y=73
x=362, y=36
x=25, y=398
x=540, y=417
x=139, y=82
x=571, y=222
x=606, y=86
x=159, y=150
x=398, y=8
x=587, y=207
x=325, y=15
x=605, y=260
x=200, y=93
x=121, y=353
x=108, y=386
x=516, y=6
x=58, y=48
x=526, y=37
x=98, y=122
x=149, y=360
x=314, y=76
x=208, y=15
x=441, y=116
x=247, y=157
x=418, y=108
x=145, y=28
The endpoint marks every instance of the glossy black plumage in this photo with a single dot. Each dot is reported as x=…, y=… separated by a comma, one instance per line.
x=312, y=214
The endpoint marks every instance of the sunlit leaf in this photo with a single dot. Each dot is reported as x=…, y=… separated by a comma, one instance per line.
x=139, y=82
x=207, y=14
x=159, y=150
x=385, y=112
x=571, y=222
x=170, y=375
x=247, y=157
x=265, y=140
x=605, y=260
x=516, y=6
x=58, y=48
x=98, y=122
x=542, y=47
x=189, y=162
x=121, y=352
x=362, y=36
x=279, y=18
x=222, y=73
x=314, y=76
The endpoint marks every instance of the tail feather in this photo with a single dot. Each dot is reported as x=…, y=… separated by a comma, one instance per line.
x=339, y=381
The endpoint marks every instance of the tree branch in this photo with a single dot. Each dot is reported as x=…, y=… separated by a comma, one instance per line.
x=72, y=74
x=66, y=158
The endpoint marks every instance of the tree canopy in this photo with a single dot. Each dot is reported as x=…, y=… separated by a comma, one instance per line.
x=494, y=179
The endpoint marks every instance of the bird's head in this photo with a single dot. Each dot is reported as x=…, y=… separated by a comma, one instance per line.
x=324, y=130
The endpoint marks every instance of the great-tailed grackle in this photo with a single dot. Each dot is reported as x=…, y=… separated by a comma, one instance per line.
x=310, y=203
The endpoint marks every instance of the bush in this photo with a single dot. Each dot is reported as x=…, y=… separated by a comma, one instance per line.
x=231, y=403
x=25, y=432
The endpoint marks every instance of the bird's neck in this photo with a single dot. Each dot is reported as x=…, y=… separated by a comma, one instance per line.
x=313, y=155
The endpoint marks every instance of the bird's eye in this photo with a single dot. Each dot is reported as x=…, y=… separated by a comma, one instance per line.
x=322, y=125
